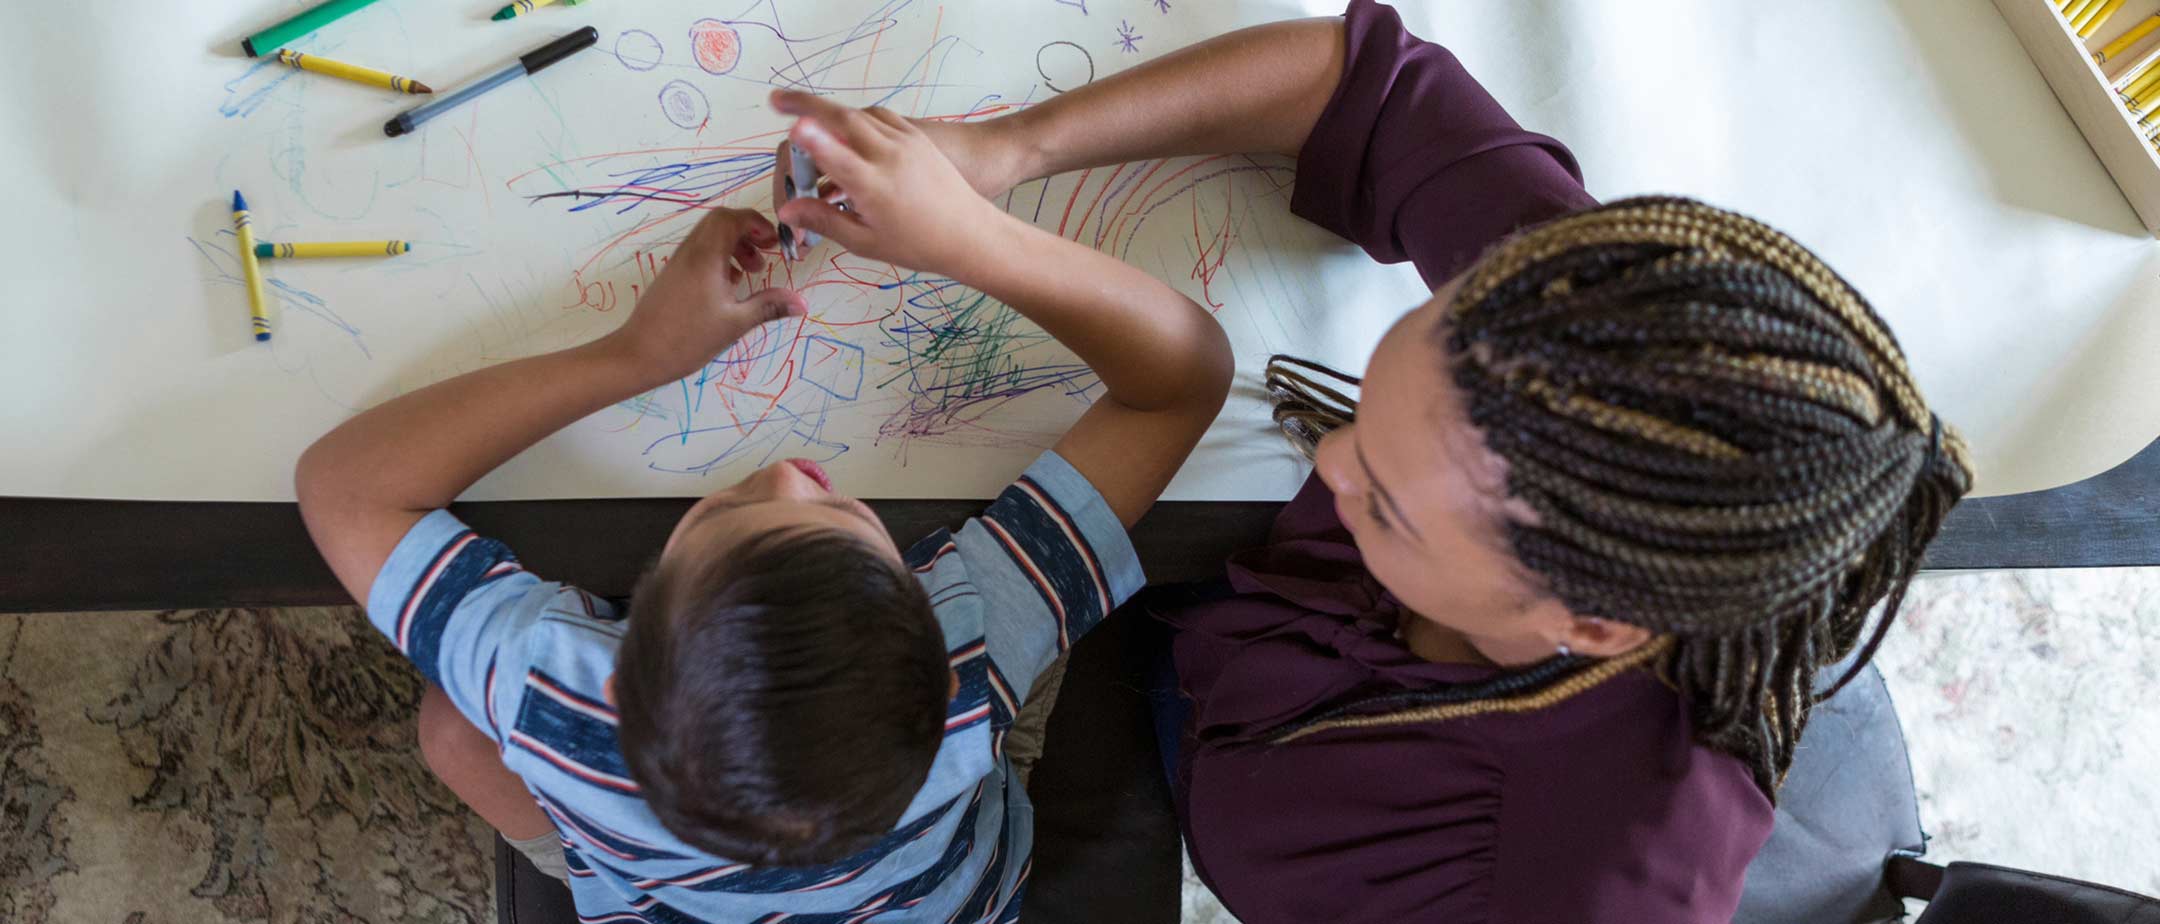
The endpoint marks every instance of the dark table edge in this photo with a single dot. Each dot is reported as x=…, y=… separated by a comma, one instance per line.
x=65, y=555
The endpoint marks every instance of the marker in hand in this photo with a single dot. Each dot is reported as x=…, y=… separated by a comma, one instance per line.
x=795, y=176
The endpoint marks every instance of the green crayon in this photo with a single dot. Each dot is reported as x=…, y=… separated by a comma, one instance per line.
x=283, y=33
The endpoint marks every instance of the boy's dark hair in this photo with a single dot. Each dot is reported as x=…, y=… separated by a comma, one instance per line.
x=782, y=704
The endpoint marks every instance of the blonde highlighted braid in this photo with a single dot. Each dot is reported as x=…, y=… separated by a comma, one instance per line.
x=1721, y=439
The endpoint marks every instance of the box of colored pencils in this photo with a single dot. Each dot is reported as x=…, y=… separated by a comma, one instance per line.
x=2102, y=58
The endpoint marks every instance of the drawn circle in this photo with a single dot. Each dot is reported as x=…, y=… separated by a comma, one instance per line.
x=1064, y=66
x=717, y=45
x=684, y=104
x=638, y=50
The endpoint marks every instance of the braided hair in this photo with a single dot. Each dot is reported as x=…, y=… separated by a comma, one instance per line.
x=1721, y=440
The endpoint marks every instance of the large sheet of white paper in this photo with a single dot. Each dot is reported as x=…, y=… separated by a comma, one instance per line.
x=1910, y=142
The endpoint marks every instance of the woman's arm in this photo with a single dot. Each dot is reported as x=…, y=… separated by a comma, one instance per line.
x=1164, y=363
x=1253, y=90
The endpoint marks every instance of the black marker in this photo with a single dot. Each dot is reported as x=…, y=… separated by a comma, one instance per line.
x=529, y=64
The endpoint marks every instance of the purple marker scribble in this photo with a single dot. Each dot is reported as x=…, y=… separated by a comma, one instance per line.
x=1128, y=39
x=1163, y=5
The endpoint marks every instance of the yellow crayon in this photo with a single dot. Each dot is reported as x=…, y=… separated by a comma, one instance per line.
x=242, y=226
x=2076, y=9
x=352, y=72
x=519, y=8
x=302, y=251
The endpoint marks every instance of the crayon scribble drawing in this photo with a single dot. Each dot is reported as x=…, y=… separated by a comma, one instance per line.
x=888, y=359
x=541, y=214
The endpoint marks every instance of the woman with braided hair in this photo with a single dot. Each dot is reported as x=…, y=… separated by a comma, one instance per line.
x=1538, y=639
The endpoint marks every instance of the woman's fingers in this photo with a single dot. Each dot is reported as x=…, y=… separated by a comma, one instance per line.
x=834, y=158
x=852, y=127
x=845, y=228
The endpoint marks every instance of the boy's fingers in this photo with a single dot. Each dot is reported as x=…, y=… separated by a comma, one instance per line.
x=721, y=228
x=826, y=219
x=748, y=256
x=772, y=305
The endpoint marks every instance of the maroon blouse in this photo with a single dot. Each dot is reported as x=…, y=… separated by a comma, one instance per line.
x=1597, y=809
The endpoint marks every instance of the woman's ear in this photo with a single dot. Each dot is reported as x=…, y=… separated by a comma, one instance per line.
x=607, y=691
x=1603, y=638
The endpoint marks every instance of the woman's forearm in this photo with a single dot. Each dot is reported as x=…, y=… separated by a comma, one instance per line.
x=1253, y=90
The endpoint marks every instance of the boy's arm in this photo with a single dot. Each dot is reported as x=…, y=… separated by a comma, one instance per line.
x=363, y=485
x=1259, y=89
x=1164, y=363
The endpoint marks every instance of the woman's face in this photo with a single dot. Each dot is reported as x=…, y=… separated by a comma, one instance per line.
x=1428, y=503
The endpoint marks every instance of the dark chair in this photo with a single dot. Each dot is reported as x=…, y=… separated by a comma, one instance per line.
x=1845, y=847
x=1103, y=816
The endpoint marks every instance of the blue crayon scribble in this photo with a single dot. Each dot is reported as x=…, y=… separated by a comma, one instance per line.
x=834, y=367
x=224, y=263
x=245, y=94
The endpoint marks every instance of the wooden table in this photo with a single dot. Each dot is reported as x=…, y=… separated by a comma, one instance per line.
x=69, y=555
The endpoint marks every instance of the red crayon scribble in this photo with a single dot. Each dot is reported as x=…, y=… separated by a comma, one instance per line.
x=1214, y=249
x=716, y=44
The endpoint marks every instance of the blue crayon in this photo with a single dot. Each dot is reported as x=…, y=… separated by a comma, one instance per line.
x=259, y=319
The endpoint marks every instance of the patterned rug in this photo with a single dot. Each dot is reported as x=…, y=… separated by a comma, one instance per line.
x=223, y=765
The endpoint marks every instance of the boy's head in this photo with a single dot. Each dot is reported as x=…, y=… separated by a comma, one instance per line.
x=783, y=683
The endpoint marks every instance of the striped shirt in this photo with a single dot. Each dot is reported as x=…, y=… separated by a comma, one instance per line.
x=525, y=659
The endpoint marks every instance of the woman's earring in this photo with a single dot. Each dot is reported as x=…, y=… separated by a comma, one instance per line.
x=1565, y=651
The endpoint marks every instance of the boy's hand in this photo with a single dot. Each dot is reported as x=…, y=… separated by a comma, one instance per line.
x=692, y=313
x=909, y=205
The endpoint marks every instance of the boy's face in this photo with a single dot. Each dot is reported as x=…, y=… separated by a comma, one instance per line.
x=793, y=494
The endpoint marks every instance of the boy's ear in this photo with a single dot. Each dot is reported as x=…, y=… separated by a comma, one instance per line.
x=607, y=691
x=951, y=693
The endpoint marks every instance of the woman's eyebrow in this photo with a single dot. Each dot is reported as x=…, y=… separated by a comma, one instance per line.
x=1394, y=509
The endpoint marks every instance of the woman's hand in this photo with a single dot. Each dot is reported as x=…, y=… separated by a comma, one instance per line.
x=992, y=154
x=908, y=204
x=692, y=313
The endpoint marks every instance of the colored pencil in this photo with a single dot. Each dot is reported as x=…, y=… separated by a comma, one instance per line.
x=314, y=249
x=2134, y=68
x=2076, y=9
x=2122, y=43
x=283, y=33
x=2098, y=17
x=2143, y=102
x=243, y=226
x=353, y=72
x=521, y=7
x=2140, y=84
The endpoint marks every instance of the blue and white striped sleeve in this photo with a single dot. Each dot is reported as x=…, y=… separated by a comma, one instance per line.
x=454, y=603
x=1050, y=560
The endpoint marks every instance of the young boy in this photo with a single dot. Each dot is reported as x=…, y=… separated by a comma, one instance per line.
x=794, y=719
